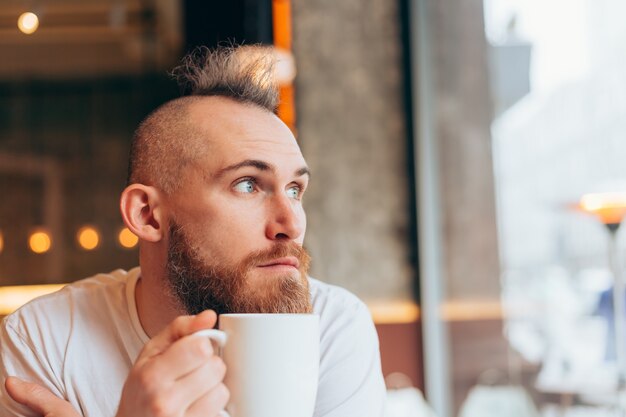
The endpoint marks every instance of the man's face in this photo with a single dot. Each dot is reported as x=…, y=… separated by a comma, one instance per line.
x=237, y=223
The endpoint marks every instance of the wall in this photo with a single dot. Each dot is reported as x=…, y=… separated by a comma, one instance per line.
x=83, y=129
x=351, y=126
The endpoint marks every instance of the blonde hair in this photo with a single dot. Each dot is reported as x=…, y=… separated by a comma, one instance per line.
x=244, y=73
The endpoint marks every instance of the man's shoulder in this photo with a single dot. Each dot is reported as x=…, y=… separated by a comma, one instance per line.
x=64, y=302
x=113, y=281
x=332, y=300
x=349, y=353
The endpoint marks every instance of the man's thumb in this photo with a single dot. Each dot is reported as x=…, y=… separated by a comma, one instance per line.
x=38, y=398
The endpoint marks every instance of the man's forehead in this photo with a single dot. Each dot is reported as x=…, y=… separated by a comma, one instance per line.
x=213, y=112
x=223, y=119
x=230, y=132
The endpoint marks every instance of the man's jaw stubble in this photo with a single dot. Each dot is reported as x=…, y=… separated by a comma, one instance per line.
x=196, y=285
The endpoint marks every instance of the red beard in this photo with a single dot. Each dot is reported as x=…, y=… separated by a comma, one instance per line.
x=198, y=286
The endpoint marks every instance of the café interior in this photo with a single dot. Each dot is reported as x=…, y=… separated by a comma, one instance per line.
x=468, y=165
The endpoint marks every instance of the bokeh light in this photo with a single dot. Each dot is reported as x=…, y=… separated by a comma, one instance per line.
x=88, y=237
x=1, y=242
x=127, y=238
x=40, y=241
x=28, y=23
x=610, y=208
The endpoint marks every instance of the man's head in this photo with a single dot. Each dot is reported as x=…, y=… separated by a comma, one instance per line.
x=215, y=189
x=161, y=146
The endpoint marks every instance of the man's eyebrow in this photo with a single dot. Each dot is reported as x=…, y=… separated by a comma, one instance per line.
x=303, y=171
x=255, y=163
x=260, y=165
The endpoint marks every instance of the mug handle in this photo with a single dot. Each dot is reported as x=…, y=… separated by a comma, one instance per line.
x=220, y=338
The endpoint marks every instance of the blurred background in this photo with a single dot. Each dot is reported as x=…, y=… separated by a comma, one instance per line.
x=468, y=161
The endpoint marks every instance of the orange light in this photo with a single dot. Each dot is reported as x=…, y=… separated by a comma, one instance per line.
x=396, y=311
x=127, y=238
x=610, y=208
x=40, y=241
x=28, y=23
x=12, y=298
x=88, y=237
x=281, y=13
x=1, y=242
x=282, y=25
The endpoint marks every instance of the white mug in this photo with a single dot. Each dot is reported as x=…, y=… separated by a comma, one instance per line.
x=272, y=363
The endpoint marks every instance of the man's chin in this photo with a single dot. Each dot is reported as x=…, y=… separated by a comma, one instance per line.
x=261, y=281
x=276, y=292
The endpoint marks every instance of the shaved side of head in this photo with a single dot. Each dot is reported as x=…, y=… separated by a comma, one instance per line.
x=166, y=141
x=161, y=146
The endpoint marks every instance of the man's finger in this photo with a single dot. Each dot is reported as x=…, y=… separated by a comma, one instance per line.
x=180, y=327
x=212, y=404
x=39, y=399
x=197, y=384
x=184, y=356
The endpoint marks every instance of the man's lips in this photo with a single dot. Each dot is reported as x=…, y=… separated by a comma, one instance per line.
x=286, y=261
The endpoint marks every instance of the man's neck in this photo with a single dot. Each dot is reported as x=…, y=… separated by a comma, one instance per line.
x=154, y=307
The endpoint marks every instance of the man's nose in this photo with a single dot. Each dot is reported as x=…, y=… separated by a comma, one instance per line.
x=286, y=222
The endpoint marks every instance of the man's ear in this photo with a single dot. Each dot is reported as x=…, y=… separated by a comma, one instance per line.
x=142, y=211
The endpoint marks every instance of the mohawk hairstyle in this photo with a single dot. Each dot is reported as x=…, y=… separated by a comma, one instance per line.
x=163, y=143
x=243, y=73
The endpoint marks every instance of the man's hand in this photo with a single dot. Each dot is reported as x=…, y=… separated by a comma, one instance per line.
x=39, y=399
x=176, y=375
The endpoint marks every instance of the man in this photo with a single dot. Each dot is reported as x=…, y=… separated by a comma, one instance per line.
x=215, y=196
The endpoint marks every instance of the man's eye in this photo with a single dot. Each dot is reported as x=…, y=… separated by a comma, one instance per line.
x=293, y=192
x=245, y=186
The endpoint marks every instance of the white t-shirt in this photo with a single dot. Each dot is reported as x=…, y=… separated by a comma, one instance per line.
x=82, y=341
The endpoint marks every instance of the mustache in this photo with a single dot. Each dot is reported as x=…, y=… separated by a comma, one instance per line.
x=279, y=250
